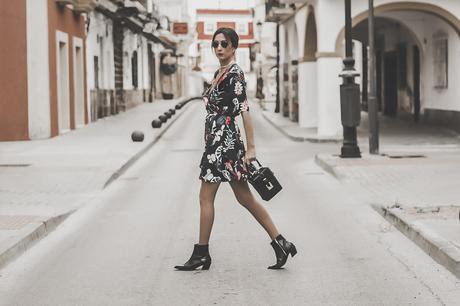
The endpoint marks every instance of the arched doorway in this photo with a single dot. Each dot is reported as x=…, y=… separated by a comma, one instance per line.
x=294, y=74
x=285, y=75
x=308, y=103
x=415, y=43
x=397, y=66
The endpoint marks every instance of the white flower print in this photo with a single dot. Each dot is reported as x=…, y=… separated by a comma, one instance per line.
x=236, y=102
x=208, y=176
x=219, y=152
x=238, y=88
x=226, y=175
x=211, y=158
x=218, y=135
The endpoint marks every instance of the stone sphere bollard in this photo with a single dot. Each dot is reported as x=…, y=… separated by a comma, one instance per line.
x=163, y=118
x=156, y=123
x=137, y=136
x=168, y=114
x=172, y=111
x=178, y=106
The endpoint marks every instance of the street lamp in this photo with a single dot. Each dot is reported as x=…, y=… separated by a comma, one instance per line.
x=372, y=99
x=349, y=94
x=260, y=82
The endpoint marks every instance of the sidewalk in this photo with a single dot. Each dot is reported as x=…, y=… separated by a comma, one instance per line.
x=413, y=183
x=42, y=182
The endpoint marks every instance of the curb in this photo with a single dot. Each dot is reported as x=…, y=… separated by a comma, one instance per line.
x=299, y=138
x=35, y=232
x=319, y=160
x=139, y=154
x=438, y=248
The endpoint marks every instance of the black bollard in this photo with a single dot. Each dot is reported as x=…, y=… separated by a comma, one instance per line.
x=167, y=114
x=163, y=118
x=156, y=123
x=172, y=111
x=137, y=136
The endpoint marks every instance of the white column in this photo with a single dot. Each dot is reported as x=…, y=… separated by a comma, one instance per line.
x=38, y=91
x=329, y=123
x=308, y=95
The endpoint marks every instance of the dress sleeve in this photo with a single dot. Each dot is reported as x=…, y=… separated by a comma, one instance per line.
x=236, y=91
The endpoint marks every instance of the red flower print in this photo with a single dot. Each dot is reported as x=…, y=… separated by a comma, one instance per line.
x=227, y=121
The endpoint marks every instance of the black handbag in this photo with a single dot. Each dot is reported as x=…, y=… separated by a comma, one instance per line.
x=264, y=181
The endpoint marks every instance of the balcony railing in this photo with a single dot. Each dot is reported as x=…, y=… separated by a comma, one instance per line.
x=293, y=1
x=81, y=6
x=275, y=10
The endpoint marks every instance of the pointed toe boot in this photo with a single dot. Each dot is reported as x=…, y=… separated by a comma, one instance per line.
x=200, y=258
x=282, y=249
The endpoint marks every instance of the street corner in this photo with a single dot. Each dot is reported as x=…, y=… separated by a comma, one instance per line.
x=434, y=229
x=328, y=162
x=334, y=163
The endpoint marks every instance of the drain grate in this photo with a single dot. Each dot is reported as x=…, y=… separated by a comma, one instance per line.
x=15, y=165
x=406, y=156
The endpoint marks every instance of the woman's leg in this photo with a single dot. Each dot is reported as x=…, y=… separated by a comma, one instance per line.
x=207, y=195
x=244, y=197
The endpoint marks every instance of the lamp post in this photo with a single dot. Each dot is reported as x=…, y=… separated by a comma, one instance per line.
x=260, y=84
x=372, y=100
x=349, y=95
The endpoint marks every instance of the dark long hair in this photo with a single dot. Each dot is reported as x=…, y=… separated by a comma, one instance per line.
x=229, y=34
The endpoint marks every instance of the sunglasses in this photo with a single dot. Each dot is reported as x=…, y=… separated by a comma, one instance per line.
x=223, y=43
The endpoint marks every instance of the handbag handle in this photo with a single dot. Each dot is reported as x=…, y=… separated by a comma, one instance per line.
x=253, y=168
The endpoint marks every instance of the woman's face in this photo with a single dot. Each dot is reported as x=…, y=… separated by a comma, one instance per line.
x=222, y=53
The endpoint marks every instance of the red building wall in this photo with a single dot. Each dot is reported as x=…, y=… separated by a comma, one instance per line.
x=65, y=20
x=13, y=72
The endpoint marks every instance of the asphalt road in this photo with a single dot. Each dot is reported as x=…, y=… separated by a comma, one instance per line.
x=121, y=248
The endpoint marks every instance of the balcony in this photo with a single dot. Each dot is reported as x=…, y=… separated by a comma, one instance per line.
x=292, y=1
x=276, y=11
x=84, y=6
x=81, y=6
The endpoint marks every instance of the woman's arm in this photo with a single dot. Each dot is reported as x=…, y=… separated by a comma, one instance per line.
x=249, y=131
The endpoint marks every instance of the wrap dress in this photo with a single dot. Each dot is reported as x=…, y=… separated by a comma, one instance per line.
x=223, y=157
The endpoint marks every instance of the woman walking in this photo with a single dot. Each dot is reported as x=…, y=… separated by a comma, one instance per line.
x=225, y=158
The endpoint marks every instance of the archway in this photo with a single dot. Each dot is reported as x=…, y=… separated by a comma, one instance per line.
x=406, y=6
x=410, y=79
x=308, y=101
x=311, y=38
x=294, y=74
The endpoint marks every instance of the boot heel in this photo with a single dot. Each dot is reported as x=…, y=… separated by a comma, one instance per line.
x=293, y=251
x=206, y=265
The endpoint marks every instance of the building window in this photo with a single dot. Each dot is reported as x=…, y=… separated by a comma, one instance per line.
x=440, y=60
x=242, y=28
x=134, y=68
x=209, y=28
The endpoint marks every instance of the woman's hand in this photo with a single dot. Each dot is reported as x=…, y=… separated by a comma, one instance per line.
x=250, y=156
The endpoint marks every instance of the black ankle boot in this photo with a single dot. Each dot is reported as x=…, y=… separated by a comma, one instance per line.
x=282, y=249
x=200, y=257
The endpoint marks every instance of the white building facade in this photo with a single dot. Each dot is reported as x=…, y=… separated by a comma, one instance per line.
x=127, y=43
x=417, y=59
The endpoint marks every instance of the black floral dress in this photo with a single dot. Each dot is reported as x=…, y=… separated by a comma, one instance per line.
x=223, y=158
